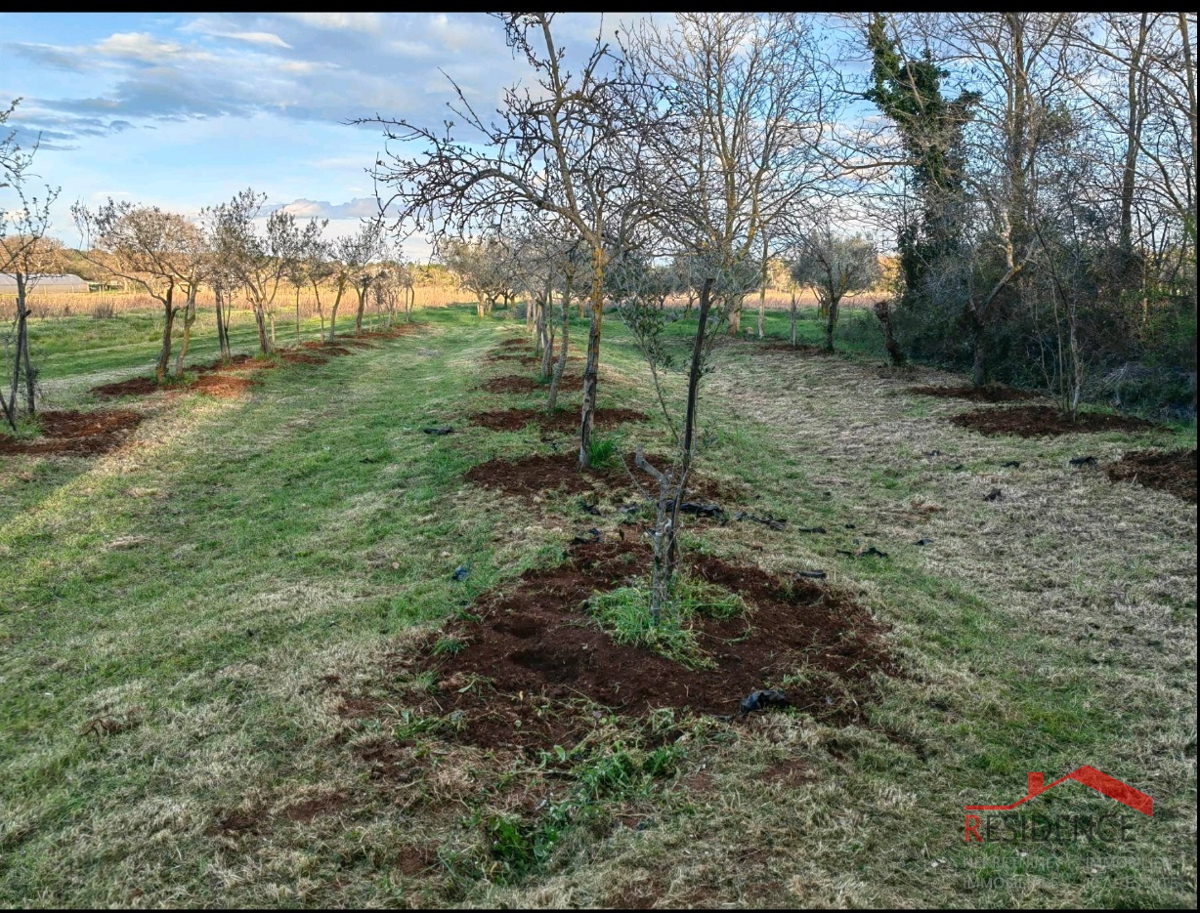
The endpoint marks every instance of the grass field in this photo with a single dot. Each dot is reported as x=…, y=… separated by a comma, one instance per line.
x=182, y=619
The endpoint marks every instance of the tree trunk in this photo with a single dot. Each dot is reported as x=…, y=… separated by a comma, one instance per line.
x=362, y=303
x=337, y=300
x=222, y=325
x=671, y=488
x=297, y=313
x=21, y=358
x=884, y=313
x=831, y=323
x=552, y=399
x=189, y=317
x=793, y=314
x=591, y=369
x=979, y=370
x=164, y=353
x=260, y=321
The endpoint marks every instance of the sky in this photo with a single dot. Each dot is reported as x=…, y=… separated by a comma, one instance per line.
x=182, y=111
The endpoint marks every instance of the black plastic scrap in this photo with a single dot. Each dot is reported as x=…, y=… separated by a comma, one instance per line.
x=761, y=700
x=592, y=535
x=994, y=495
x=815, y=575
x=445, y=429
x=811, y=529
x=765, y=521
x=1083, y=461
x=701, y=510
x=461, y=573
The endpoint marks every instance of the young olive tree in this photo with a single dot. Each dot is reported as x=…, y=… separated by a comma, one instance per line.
x=834, y=267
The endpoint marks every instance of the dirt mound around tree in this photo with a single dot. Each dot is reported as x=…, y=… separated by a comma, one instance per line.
x=561, y=420
x=72, y=433
x=223, y=386
x=530, y=666
x=992, y=393
x=1043, y=421
x=519, y=383
x=135, y=386
x=1173, y=471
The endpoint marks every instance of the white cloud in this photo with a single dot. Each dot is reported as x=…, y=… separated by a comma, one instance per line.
x=371, y=23
x=254, y=38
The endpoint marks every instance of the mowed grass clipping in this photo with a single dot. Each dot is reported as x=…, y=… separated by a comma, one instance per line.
x=174, y=613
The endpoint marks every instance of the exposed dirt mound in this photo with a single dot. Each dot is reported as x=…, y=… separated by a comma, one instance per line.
x=237, y=363
x=223, y=385
x=538, y=473
x=516, y=343
x=534, y=474
x=135, y=386
x=534, y=653
x=561, y=420
x=303, y=358
x=519, y=383
x=1173, y=471
x=992, y=393
x=77, y=433
x=1039, y=421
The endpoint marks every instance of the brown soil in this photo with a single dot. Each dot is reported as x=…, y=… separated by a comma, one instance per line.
x=518, y=383
x=303, y=358
x=1038, y=421
x=516, y=344
x=535, y=653
x=237, y=363
x=532, y=475
x=992, y=393
x=135, y=386
x=332, y=348
x=222, y=385
x=1173, y=471
x=77, y=433
x=561, y=420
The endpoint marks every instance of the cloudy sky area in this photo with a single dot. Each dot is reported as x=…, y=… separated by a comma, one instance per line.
x=182, y=111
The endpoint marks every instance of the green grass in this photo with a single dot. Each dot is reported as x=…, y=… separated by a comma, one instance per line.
x=180, y=622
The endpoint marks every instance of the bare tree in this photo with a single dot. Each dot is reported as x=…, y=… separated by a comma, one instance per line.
x=834, y=267
x=754, y=97
x=562, y=148
x=26, y=254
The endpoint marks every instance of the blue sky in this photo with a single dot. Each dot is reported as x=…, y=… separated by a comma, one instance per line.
x=182, y=111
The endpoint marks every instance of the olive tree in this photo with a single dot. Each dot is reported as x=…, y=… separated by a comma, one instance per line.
x=834, y=267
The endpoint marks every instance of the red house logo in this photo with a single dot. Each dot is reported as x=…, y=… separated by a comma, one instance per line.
x=1087, y=775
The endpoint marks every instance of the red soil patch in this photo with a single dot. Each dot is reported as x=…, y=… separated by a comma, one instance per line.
x=77, y=433
x=538, y=473
x=222, y=385
x=518, y=383
x=303, y=358
x=992, y=393
x=1038, y=421
x=135, y=386
x=1173, y=471
x=535, y=652
x=561, y=420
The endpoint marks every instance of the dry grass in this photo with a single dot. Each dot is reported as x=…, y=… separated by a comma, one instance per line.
x=111, y=304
